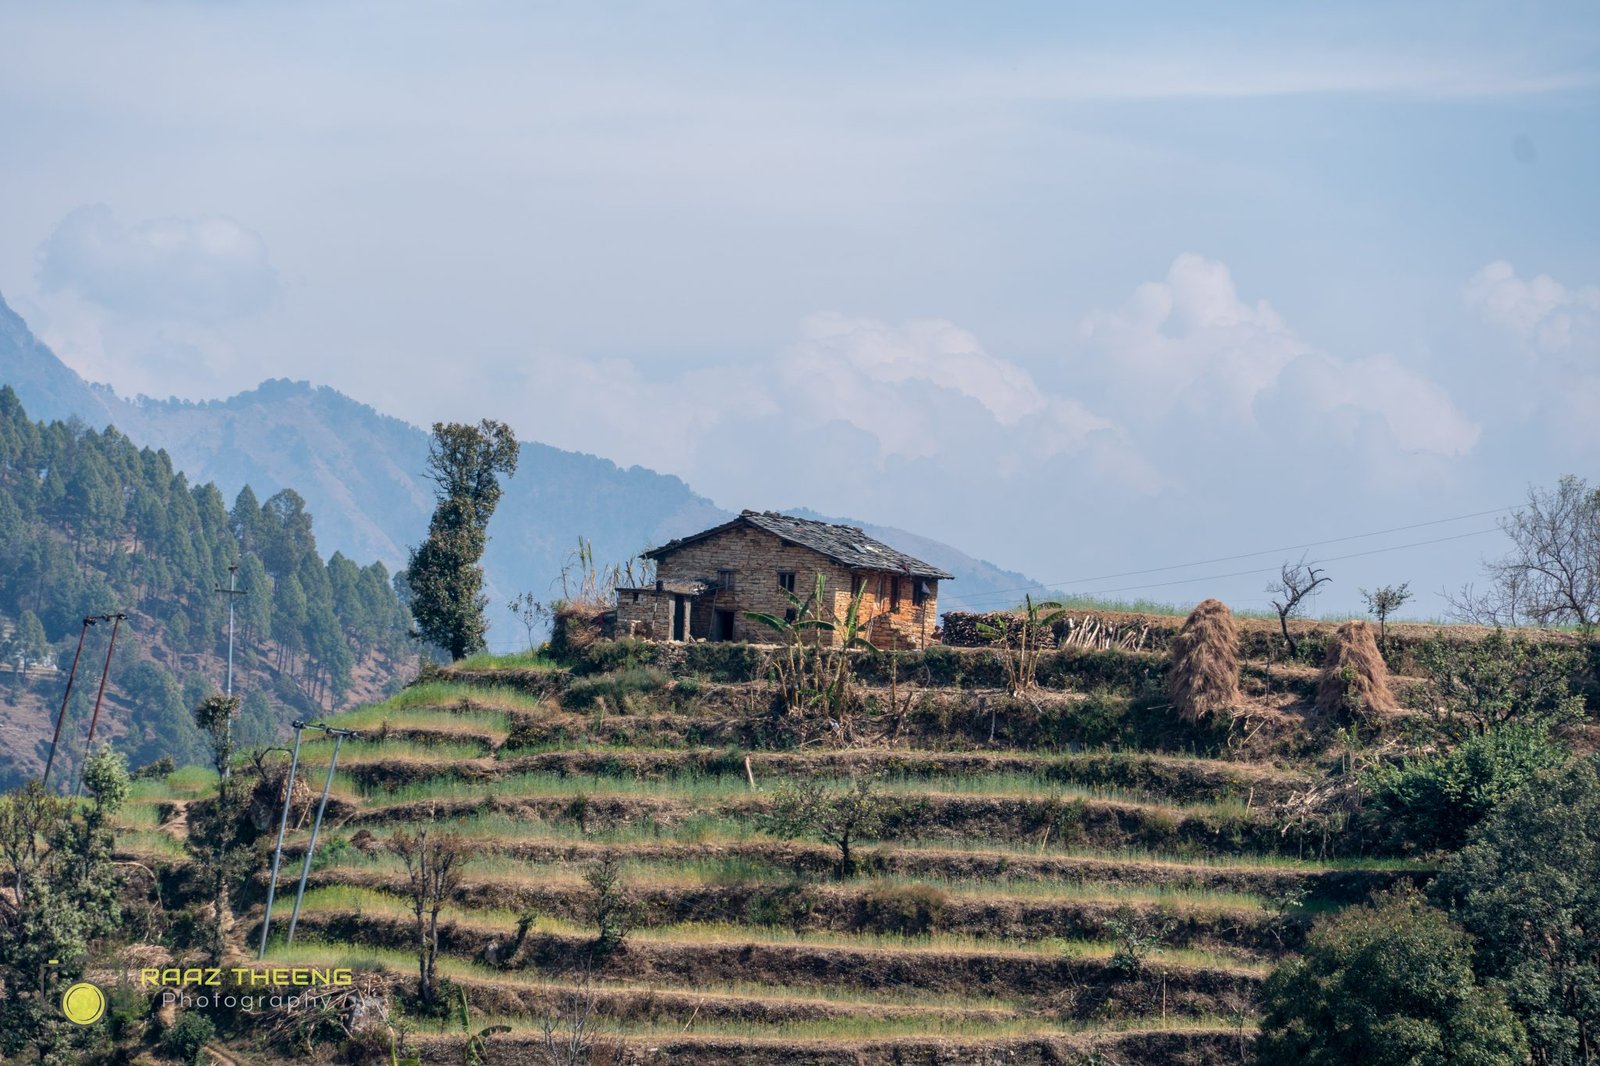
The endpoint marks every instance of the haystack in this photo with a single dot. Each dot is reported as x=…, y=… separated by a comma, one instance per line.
x=1355, y=680
x=1204, y=678
x=573, y=627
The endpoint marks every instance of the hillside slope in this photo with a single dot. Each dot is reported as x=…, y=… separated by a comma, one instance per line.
x=90, y=525
x=1009, y=898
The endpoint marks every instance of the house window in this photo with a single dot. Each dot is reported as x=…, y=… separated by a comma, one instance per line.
x=790, y=614
x=786, y=580
x=857, y=583
x=725, y=579
x=894, y=594
x=919, y=593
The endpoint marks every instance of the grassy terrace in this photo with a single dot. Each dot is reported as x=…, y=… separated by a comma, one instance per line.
x=372, y=905
x=735, y=872
x=1032, y=861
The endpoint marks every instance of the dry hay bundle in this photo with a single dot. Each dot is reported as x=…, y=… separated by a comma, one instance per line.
x=1204, y=678
x=1355, y=680
x=575, y=626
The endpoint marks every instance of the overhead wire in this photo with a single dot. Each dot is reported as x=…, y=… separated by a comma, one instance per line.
x=1001, y=593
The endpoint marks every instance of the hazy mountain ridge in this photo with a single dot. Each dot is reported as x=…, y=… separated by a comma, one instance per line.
x=361, y=473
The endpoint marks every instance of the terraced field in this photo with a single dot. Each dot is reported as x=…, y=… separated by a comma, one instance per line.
x=1015, y=902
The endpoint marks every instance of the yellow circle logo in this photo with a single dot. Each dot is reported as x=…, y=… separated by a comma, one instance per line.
x=83, y=1003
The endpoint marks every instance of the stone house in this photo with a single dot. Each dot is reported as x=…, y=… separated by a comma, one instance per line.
x=706, y=582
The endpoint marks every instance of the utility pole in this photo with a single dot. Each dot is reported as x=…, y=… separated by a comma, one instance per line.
x=232, y=592
x=87, y=622
x=105, y=672
x=298, y=726
x=338, y=736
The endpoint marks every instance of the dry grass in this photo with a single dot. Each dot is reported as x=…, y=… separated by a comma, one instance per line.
x=1355, y=680
x=1204, y=678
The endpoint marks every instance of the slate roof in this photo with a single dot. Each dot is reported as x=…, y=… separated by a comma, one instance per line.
x=843, y=544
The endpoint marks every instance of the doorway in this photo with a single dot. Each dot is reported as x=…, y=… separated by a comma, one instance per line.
x=678, y=614
x=722, y=629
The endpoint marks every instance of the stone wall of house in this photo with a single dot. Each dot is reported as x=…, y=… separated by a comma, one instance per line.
x=756, y=557
x=644, y=613
x=888, y=626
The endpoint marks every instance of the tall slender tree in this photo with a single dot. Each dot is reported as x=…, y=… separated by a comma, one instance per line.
x=445, y=575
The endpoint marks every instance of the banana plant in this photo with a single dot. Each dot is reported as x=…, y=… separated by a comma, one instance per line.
x=1021, y=656
x=816, y=671
x=477, y=1045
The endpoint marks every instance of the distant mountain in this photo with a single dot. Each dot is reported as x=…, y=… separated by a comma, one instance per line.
x=49, y=388
x=361, y=473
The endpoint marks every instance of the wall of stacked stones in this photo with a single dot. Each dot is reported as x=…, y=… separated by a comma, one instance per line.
x=756, y=557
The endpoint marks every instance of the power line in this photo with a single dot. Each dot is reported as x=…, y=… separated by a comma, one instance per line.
x=1269, y=569
x=1248, y=555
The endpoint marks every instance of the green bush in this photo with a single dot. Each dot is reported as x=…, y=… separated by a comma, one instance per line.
x=1526, y=887
x=788, y=905
x=1431, y=804
x=331, y=853
x=1098, y=720
x=1502, y=679
x=1133, y=937
x=1389, y=984
x=606, y=656
x=724, y=661
x=186, y=1039
x=614, y=687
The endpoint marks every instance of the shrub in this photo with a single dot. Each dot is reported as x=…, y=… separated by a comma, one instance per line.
x=840, y=817
x=605, y=656
x=609, y=910
x=788, y=905
x=1133, y=936
x=614, y=687
x=1204, y=677
x=910, y=910
x=1354, y=685
x=332, y=853
x=1432, y=803
x=1384, y=985
x=1526, y=888
x=186, y=1039
x=1501, y=679
x=160, y=768
x=1095, y=721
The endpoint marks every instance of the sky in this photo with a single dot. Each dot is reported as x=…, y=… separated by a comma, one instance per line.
x=1080, y=289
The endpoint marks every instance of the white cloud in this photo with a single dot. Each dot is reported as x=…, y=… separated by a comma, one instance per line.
x=910, y=385
x=1190, y=347
x=1343, y=402
x=1540, y=312
x=1190, y=342
x=1555, y=329
x=205, y=269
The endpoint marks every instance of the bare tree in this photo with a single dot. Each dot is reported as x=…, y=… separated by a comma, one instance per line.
x=1552, y=573
x=433, y=863
x=530, y=612
x=1383, y=602
x=572, y=1033
x=1295, y=582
